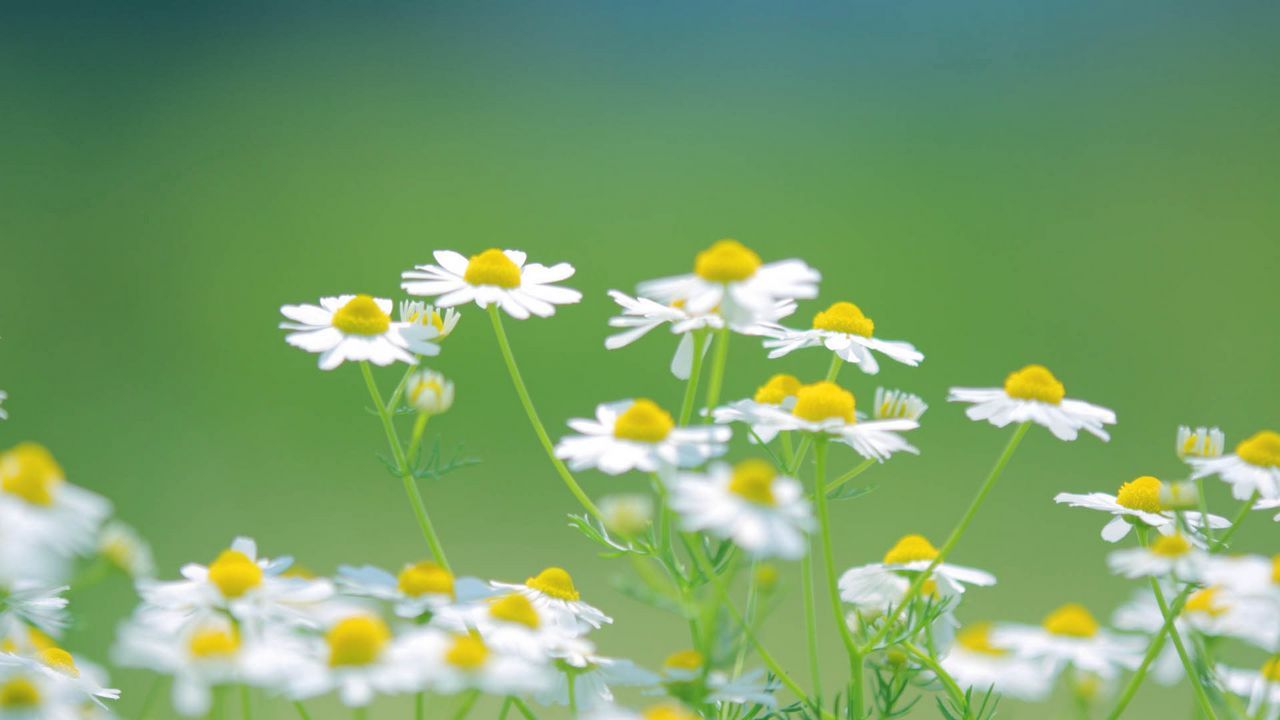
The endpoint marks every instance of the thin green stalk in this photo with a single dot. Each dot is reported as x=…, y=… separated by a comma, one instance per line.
x=1197, y=683
x=856, y=702
x=840, y=481
x=691, y=387
x=949, y=545
x=506, y=708
x=523, y=708
x=944, y=677
x=415, y=439
x=717, y=369
x=811, y=621
x=246, y=703
x=149, y=699
x=405, y=470
x=753, y=589
x=505, y=346
x=360, y=713
x=218, y=710
x=833, y=370
x=419, y=706
x=302, y=711
x=1241, y=514
x=573, y=700
x=1205, y=526
x=469, y=702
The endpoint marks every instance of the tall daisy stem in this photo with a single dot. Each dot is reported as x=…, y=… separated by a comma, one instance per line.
x=718, y=363
x=1193, y=674
x=811, y=621
x=856, y=702
x=302, y=711
x=695, y=370
x=505, y=346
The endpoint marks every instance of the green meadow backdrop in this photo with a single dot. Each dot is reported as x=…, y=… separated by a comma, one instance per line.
x=1089, y=185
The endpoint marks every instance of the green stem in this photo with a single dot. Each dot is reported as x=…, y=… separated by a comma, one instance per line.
x=833, y=591
x=506, y=709
x=149, y=699
x=419, y=706
x=717, y=370
x=752, y=593
x=405, y=470
x=524, y=709
x=1241, y=514
x=573, y=701
x=360, y=713
x=840, y=481
x=811, y=621
x=949, y=545
x=505, y=346
x=469, y=702
x=1197, y=684
x=691, y=387
x=833, y=370
x=246, y=703
x=1205, y=526
x=302, y=711
x=944, y=677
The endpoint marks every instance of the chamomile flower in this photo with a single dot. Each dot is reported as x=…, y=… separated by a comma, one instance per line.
x=27, y=603
x=661, y=711
x=1170, y=555
x=493, y=277
x=898, y=404
x=638, y=435
x=453, y=662
x=1253, y=467
x=444, y=320
x=732, y=278
x=429, y=392
x=553, y=590
x=762, y=512
x=593, y=679
x=1033, y=394
x=38, y=504
x=1071, y=636
x=1137, y=501
x=875, y=587
x=1261, y=688
x=978, y=663
x=418, y=588
x=509, y=623
x=778, y=393
x=357, y=328
x=1201, y=442
x=47, y=687
x=126, y=550
x=626, y=514
x=684, y=675
x=846, y=331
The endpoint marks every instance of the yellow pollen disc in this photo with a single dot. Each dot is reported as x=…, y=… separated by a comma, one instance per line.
x=492, y=267
x=977, y=638
x=555, y=582
x=19, y=693
x=1034, y=382
x=1262, y=449
x=425, y=578
x=823, y=401
x=514, y=608
x=1071, y=620
x=684, y=660
x=1271, y=670
x=234, y=573
x=668, y=712
x=844, y=317
x=1171, y=546
x=911, y=548
x=753, y=480
x=644, y=421
x=39, y=640
x=214, y=643
x=1141, y=493
x=778, y=388
x=361, y=316
x=467, y=652
x=30, y=472
x=1206, y=601
x=60, y=660
x=726, y=261
x=357, y=640
x=929, y=588
x=1275, y=569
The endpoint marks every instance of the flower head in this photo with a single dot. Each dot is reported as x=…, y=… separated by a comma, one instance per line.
x=1138, y=501
x=638, y=435
x=356, y=327
x=843, y=329
x=763, y=512
x=429, y=392
x=1033, y=394
x=493, y=277
x=1253, y=467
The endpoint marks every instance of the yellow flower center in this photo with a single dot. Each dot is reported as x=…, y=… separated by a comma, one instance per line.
x=234, y=573
x=767, y=575
x=1171, y=545
x=492, y=267
x=425, y=578
x=60, y=660
x=668, y=712
x=214, y=643
x=39, y=640
x=684, y=660
x=467, y=652
x=1271, y=670
x=1071, y=620
x=20, y=694
x=911, y=548
x=30, y=472
x=1141, y=493
x=515, y=608
x=778, y=388
x=726, y=261
x=361, y=316
x=1206, y=601
x=753, y=480
x=357, y=640
x=822, y=401
x=1262, y=449
x=844, y=317
x=1034, y=382
x=555, y=582
x=977, y=638
x=644, y=421
x=1275, y=569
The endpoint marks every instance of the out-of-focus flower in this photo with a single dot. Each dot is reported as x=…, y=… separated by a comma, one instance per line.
x=762, y=512
x=638, y=435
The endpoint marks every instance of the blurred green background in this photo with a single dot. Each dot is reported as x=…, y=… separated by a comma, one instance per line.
x=1090, y=185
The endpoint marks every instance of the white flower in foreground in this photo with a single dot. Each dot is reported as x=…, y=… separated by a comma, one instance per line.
x=1261, y=689
x=1253, y=467
x=122, y=545
x=39, y=506
x=429, y=392
x=48, y=687
x=1172, y=556
x=638, y=435
x=28, y=603
x=1034, y=394
x=1137, y=501
x=731, y=278
x=419, y=588
x=356, y=328
x=510, y=623
x=875, y=587
x=553, y=590
x=762, y=512
x=594, y=677
x=1071, y=636
x=1202, y=442
x=450, y=663
x=494, y=277
x=976, y=662
x=778, y=393
x=844, y=330
x=640, y=315
x=416, y=312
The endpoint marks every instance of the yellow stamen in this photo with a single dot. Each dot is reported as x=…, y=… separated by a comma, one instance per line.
x=1262, y=449
x=822, y=401
x=844, y=317
x=1206, y=601
x=1171, y=546
x=1275, y=569
x=753, y=479
x=1034, y=382
x=357, y=640
x=425, y=578
x=1142, y=493
x=911, y=548
x=361, y=316
x=514, y=608
x=726, y=261
x=684, y=660
x=211, y=643
x=60, y=660
x=19, y=694
x=668, y=712
x=555, y=582
x=39, y=640
x=977, y=638
x=644, y=421
x=467, y=652
x=1071, y=620
x=234, y=573
x=1271, y=670
x=29, y=471
x=778, y=388
x=492, y=267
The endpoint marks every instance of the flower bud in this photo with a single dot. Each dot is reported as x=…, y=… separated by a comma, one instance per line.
x=626, y=514
x=429, y=392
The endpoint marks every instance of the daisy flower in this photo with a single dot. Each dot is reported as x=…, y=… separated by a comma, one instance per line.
x=126, y=550
x=593, y=679
x=684, y=675
x=429, y=392
x=762, y=512
x=553, y=590
x=1261, y=689
x=1169, y=556
x=661, y=711
x=26, y=603
x=494, y=277
x=626, y=514
x=1202, y=442
x=1253, y=467
x=356, y=327
x=898, y=404
x=846, y=331
x=1137, y=501
x=875, y=587
x=778, y=393
x=444, y=320
x=1034, y=394
x=511, y=624
x=978, y=663
x=47, y=687
x=38, y=503
x=638, y=435
x=418, y=589
x=732, y=278
x=451, y=663
x=1071, y=636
